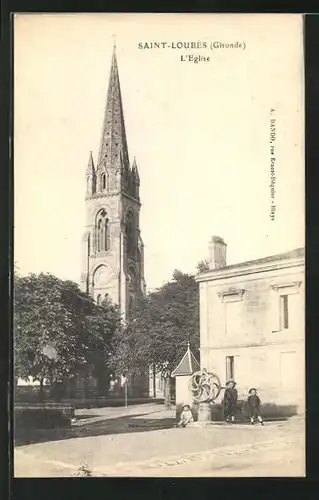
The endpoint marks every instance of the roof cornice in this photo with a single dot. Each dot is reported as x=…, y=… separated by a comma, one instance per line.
x=240, y=270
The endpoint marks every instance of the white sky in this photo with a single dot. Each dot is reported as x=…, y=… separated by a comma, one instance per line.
x=200, y=134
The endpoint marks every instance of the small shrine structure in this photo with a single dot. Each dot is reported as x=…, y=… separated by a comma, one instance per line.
x=183, y=374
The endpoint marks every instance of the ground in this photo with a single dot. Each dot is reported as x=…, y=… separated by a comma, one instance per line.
x=140, y=441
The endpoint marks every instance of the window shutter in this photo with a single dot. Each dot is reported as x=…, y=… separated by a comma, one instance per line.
x=274, y=316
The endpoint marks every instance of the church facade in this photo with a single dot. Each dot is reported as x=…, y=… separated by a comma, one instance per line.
x=112, y=247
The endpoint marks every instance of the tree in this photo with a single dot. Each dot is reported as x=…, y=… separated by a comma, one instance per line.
x=101, y=325
x=158, y=334
x=54, y=316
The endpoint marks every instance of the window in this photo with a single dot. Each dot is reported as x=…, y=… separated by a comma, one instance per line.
x=230, y=368
x=130, y=234
x=284, y=313
x=99, y=231
x=106, y=234
x=285, y=305
x=98, y=300
x=102, y=232
x=233, y=319
x=103, y=181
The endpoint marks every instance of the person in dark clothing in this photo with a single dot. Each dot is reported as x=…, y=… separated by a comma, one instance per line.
x=253, y=405
x=230, y=401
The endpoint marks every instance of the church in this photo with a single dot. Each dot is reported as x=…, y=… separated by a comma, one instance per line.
x=113, y=250
x=112, y=246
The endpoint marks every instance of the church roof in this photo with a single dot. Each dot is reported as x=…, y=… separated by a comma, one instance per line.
x=187, y=365
x=113, y=147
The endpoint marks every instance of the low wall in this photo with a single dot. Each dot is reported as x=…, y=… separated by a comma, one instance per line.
x=30, y=394
x=110, y=402
x=269, y=411
x=90, y=402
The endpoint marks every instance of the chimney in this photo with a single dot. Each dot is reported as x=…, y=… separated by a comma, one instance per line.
x=217, y=253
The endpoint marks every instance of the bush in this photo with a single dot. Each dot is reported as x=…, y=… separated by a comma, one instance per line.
x=43, y=417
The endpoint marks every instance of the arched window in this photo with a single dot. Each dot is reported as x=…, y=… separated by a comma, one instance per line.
x=130, y=234
x=99, y=232
x=98, y=300
x=107, y=234
x=102, y=232
x=103, y=182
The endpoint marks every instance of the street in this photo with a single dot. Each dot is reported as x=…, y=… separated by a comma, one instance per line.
x=135, y=449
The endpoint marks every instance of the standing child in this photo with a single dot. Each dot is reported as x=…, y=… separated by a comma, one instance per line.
x=230, y=401
x=186, y=416
x=254, y=404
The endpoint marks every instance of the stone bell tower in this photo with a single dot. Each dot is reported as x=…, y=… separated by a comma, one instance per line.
x=113, y=250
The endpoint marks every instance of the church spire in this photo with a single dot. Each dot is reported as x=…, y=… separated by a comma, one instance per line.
x=113, y=148
x=90, y=177
x=90, y=170
x=135, y=173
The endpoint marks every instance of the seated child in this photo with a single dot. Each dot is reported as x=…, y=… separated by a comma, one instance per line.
x=253, y=405
x=186, y=416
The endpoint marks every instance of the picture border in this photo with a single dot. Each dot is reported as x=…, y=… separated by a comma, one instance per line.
x=163, y=488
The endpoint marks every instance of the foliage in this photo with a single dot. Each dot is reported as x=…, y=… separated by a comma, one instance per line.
x=163, y=324
x=55, y=313
x=203, y=266
x=83, y=471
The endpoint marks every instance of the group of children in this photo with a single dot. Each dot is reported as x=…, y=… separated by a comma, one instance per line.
x=230, y=406
x=230, y=403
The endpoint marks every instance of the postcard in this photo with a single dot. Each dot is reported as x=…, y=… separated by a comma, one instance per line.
x=159, y=245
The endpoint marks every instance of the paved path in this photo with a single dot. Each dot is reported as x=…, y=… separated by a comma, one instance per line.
x=277, y=460
x=276, y=449
x=152, y=410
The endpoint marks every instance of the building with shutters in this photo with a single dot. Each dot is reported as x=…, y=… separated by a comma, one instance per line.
x=252, y=323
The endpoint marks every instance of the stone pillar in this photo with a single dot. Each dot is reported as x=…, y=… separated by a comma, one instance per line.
x=204, y=412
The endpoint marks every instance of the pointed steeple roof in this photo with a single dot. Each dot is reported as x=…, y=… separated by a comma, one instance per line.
x=113, y=147
x=187, y=365
x=90, y=170
x=135, y=171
